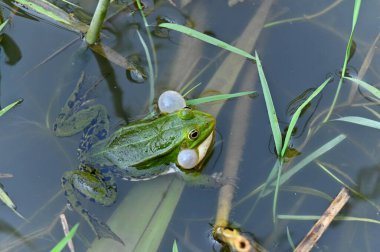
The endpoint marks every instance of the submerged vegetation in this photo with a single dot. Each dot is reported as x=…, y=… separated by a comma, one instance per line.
x=149, y=214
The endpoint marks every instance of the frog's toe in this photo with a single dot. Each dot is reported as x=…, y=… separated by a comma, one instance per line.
x=220, y=180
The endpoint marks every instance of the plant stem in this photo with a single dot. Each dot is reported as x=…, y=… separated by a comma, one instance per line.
x=97, y=21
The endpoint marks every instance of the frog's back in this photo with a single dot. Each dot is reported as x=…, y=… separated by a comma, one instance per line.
x=141, y=144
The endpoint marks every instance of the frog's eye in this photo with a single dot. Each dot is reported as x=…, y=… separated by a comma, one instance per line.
x=193, y=134
x=186, y=114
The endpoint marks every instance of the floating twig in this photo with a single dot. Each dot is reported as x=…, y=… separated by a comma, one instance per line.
x=322, y=224
x=66, y=231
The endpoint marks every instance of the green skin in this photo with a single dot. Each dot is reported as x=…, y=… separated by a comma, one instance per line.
x=141, y=151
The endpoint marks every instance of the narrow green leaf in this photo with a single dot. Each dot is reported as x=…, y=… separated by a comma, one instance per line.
x=360, y=121
x=373, y=90
x=297, y=114
x=208, y=39
x=374, y=112
x=346, y=57
x=47, y=9
x=4, y=197
x=151, y=74
x=356, y=13
x=2, y=26
x=290, y=240
x=352, y=190
x=10, y=106
x=73, y=4
x=311, y=157
x=317, y=217
x=190, y=90
x=276, y=189
x=175, y=247
x=267, y=187
x=308, y=191
x=213, y=98
x=150, y=39
x=61, y=245
x=270, y=107
x=264, y=188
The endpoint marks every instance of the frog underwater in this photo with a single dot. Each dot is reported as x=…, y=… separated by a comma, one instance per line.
x=143, y=150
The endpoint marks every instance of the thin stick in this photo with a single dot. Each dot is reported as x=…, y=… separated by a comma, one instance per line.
x=322, y=224
x=227, y=191
x=66, y=230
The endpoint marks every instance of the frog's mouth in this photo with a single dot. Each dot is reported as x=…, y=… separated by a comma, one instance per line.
x=204, y=147
x=189, y=159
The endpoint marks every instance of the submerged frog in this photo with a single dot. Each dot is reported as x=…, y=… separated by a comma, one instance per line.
x=148, y=148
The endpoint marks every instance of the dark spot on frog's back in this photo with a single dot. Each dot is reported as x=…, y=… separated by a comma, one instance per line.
x=101, y=134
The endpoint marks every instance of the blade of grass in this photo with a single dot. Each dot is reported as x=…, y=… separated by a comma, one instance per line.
x=373, y=90
x=4, y=197
x=10, y=106
x=175, y=247
x=151, y=75
x=347, y=56
x=305, y=17
x=311, y=157
x=375, y=113
x=213, y=98
x=276, y=189
x=264, y=191
x=73, y=4
x=308, y=191
x=2, y=26
x=47, y=9
x=317, y=217
x=208, y=39
x=296, y=115
x=360, y=121
x=61, y=245
x=270, y=107
x=290, y=240
x=357, y=193
x=190, y=90
x=149, y=38
x=287, y=175
x=262, y=188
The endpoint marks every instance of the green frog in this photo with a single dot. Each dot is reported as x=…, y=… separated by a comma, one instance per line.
x=175, y=142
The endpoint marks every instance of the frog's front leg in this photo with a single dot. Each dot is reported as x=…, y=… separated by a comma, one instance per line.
x=97, y=186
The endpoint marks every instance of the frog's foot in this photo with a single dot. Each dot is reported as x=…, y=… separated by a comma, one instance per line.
x=195, y=178
x=90, y=183
x=221, y=180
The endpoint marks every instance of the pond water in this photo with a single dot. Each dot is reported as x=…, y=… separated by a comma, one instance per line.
x=36, y=64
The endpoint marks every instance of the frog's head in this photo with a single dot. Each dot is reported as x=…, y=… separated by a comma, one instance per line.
x=198, y=133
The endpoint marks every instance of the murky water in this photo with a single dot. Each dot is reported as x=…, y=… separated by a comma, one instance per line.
x=36, y=65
